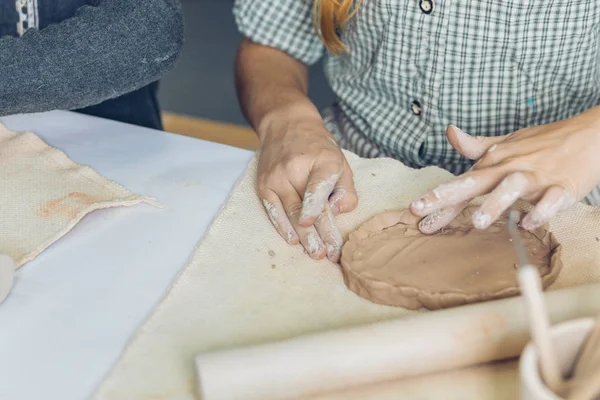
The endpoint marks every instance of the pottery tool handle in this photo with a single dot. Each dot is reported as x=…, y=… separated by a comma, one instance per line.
x=530, y=284
x=531, y=288
x=420, y=344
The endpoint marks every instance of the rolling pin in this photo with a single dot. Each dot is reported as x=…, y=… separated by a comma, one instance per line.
x=338, y=359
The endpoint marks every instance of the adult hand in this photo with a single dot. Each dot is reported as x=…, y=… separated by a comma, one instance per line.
x=552, y=166
x=303, y=181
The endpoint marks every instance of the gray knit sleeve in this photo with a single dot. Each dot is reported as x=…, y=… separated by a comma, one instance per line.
x=286, y=25
x=102, y=52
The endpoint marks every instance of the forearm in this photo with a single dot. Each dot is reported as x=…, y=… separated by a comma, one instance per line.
x=272, y=87
x=100, y=53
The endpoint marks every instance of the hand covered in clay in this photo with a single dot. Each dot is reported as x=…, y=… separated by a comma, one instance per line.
x=552, y=166
x=303, y=181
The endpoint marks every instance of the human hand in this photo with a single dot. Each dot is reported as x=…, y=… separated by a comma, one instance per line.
x=552, y=166
x=303, y=181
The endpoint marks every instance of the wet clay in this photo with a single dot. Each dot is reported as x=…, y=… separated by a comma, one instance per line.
x=389, y=261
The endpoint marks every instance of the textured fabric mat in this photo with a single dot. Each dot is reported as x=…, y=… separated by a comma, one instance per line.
x=245, y=285
x=43, y=194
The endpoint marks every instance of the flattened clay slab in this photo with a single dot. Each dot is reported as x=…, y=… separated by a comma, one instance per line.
x=389, y=261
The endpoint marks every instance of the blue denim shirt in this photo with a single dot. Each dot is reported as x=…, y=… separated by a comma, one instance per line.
x=100, y=57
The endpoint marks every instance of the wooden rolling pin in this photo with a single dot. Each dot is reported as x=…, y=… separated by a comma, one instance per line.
x=425, y=343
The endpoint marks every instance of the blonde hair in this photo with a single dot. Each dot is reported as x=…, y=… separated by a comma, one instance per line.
x=329, y=16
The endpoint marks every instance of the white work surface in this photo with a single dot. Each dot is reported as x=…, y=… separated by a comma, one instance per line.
x=74, y=308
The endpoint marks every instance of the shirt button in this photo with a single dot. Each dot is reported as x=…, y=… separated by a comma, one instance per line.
x=416, y=108
x=426, y=6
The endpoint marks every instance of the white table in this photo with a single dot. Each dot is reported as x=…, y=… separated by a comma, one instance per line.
x=74, y=308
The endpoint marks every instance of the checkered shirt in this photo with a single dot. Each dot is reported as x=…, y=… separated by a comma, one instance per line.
x=414, y=67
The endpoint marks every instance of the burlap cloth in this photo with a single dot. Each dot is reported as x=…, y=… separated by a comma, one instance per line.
x=244, y=285
x=43, y=194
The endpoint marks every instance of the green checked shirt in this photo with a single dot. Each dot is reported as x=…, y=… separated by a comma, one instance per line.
x=413, y=67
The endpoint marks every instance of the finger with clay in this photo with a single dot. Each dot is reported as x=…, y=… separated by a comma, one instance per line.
x=303, y=183
x=552, y=166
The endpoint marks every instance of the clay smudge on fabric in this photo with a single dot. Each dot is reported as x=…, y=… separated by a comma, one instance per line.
x=313, y=202
x=69, y=205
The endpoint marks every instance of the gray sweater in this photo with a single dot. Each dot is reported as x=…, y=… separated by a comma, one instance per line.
x=85, y=52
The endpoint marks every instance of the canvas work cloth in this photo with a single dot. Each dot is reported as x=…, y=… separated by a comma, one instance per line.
x=43, y=194
x=244, y=285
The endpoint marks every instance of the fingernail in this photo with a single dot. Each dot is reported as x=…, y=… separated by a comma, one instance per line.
x=314, y=244
x=335, y=208
x=333, y=253
x=481, y=220
x=529, y=223
x=271, y=213
x=291, y=238
x=428, y=224
x=335, y=200
x=457, y=129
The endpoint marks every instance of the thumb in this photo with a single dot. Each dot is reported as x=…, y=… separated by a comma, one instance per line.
x=472, y=147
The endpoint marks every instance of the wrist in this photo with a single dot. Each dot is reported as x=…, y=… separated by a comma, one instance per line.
x=280, y=120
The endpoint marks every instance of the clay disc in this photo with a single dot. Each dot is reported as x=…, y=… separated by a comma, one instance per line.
x=389, y=261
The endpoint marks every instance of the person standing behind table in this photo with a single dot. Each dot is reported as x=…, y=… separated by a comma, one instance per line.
x=523, y=77
x=98, y=57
